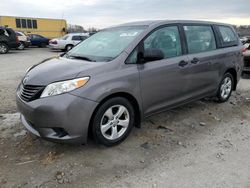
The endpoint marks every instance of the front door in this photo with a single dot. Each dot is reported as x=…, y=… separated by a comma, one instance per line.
x=164, y=82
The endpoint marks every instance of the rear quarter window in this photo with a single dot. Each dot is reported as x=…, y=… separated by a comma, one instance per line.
x=227, y=36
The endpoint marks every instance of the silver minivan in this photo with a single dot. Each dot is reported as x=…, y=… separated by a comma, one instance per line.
x=119, y=76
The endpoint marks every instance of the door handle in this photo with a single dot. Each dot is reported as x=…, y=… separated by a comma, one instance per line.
x=183, y=63
x=195, y=61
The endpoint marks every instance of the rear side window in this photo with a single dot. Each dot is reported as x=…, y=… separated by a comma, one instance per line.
x=200, y=38
x=83, y=37
x=228, y=36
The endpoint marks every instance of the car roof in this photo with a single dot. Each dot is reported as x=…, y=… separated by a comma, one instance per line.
x=84, y=34
x=162, y=22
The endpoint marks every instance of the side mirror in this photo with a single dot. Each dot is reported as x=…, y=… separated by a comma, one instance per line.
x=153, y=55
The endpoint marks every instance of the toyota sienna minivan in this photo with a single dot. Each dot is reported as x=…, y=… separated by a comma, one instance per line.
x=111, y=81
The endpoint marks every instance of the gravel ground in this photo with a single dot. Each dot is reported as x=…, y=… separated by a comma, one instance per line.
x=202, y=144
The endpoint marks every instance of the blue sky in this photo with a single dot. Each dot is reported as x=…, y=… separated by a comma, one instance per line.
x=103, y=13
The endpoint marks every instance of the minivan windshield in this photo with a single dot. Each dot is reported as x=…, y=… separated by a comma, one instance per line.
x=106, y=44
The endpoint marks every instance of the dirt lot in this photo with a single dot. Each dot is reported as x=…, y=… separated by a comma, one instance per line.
x=203, y=144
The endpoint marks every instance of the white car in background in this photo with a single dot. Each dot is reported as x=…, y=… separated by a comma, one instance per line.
x=68, y=41
x=23, y=39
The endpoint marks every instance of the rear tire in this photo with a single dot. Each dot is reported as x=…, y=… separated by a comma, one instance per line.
x=4, y=48
x=225, y=88
x=113, y=121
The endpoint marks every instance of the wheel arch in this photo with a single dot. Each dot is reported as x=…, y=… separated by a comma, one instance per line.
x=233, y=72
x=125, y=95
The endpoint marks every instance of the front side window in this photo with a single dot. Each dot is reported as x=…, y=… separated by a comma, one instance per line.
x=107, y=44
x=227, y=35
x=76, y=38
x=166, y=39
x=65, y=37
x=200, y=38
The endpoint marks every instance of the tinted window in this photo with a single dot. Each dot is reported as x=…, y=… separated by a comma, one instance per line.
x=228, y=36
x=34, y=23
x=83, y=37
x=29, y=23
x=18, y=23
x=36, y=37
x=76, y=37
x=18, y=34
x=65, y=37
x=200, y=38
x=166, y=39
x=24, y=25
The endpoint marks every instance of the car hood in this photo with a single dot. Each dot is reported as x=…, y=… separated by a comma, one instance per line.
x=57, y=69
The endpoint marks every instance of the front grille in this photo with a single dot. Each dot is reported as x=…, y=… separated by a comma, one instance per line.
x=30, y=92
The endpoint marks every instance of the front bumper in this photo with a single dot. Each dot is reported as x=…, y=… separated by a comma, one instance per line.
x=62, y=118
x=56, y=47
x=27, y=44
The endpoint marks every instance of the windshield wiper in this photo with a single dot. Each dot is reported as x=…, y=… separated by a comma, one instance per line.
x=79, y=57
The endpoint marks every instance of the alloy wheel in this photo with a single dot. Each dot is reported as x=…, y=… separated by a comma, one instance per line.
x=226, y=87
x=3, y=49
x=115, y=122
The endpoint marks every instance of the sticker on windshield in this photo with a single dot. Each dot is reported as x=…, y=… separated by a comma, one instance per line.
x=185, y=28
x=131, y=34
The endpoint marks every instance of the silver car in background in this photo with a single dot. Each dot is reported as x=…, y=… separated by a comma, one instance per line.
x=246, y=53
x=67, y=42
x=114, y=79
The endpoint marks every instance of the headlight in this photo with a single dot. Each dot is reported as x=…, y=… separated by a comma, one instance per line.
x=64, y=86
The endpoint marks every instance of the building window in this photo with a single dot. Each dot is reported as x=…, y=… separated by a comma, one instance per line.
x=29, y=24
x=18, y=23
x=34, y=22
x=24, y=23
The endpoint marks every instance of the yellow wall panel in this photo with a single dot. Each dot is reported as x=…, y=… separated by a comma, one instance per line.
x=50, y=28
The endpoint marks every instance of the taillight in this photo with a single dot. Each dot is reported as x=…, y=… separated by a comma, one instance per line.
x=53, y=42
x=243, y=50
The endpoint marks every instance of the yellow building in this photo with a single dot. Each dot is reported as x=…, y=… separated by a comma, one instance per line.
x=51, y=28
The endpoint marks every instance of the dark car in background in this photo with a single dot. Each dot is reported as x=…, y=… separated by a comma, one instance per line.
x=38, y=40
x=8, y=40
x=246, y=53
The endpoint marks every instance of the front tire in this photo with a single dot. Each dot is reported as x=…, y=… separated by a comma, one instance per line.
x=225, y=88
x=68, y=47
x=21, y=46
x=113, y=121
